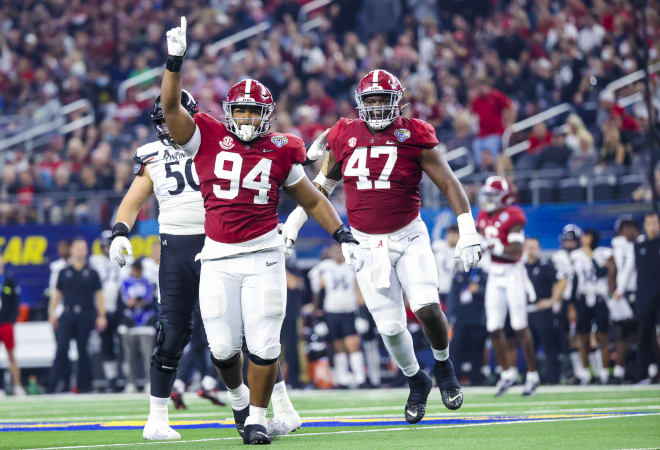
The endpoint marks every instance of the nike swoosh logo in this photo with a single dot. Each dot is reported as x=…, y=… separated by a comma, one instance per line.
x=410, y=413
x=268, y=151
x=390, y=142
x=268, y=264
x=451, y=399
x=412, y=238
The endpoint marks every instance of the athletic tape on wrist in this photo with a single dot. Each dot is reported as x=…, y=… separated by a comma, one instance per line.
x=327, y=184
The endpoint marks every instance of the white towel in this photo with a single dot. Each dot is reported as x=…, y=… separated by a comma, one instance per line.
x=380, y=267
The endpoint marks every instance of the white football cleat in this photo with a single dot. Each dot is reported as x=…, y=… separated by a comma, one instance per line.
x=284, y=424
x=159, y=432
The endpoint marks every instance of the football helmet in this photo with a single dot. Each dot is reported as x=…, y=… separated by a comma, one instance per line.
x=249, y=93
x=379, y=82
x=158, y=119
x=570, y=232
x=495, y=194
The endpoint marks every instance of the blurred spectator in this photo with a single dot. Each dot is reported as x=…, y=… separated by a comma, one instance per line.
x=585, y=159
x=495, y=111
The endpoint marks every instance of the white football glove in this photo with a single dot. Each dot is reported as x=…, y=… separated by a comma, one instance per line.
x=117, y=247
x=352, y=255
x=176, y=39
x=468, y=249
x=290, y=228
x=317, y=149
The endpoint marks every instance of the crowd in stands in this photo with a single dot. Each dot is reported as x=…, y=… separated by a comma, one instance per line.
x=470, y=68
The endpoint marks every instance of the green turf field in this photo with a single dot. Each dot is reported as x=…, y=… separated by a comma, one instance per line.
x=577, y=418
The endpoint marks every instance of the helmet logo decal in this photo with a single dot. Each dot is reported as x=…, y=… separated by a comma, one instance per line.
x=402, y=134
x=226, y=143
x=279, y=141
x=352, y=142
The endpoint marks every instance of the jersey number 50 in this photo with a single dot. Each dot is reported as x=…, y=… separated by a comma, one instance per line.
x=261, y=170
x=357, y=166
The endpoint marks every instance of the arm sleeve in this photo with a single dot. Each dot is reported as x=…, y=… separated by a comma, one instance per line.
x=192, y=146
x=296, y=174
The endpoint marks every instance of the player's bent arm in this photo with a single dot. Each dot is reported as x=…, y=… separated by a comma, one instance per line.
x=140, y=190
x=441, y=174
x=514, y=249
x=315, y=204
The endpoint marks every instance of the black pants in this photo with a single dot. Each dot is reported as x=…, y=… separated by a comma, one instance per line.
x=289, y=338
x=72, y=325
x=545, y=329
x=647, y=310
x=178, y=279
x=467, y=346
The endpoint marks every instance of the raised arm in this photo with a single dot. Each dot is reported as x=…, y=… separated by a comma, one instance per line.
x=468, y=248
x=179, y=122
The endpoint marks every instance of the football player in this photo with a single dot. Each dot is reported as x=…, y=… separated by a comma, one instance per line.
x=340, y=307
x=241, y=166
x=591, y=264
x=502, y=225
x=381, y=157
x=622, y=303
x=163, y=169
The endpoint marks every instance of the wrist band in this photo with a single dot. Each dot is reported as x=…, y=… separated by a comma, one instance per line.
x=174, y=63
x=119, y=229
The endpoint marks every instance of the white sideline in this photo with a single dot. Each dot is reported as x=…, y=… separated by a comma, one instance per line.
x=326, y=433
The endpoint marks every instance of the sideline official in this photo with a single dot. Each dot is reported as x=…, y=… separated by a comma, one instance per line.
x=79, y=289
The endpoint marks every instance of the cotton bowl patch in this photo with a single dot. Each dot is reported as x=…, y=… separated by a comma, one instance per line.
x=279, y=141
x=402, y=134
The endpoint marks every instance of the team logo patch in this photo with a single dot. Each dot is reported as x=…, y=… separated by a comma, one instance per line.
x=279, y=141
x=226, y=143
x=402, y=134
x=352, y=142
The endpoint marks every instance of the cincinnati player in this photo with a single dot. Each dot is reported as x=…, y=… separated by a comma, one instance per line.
x=380, y=158
x=241, y=166
x=163, y=169
x=592, y=265
x=507, y=287
x=340, y=307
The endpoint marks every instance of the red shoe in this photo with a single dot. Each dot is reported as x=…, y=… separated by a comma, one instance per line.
x=212, y=396
x=178, y=400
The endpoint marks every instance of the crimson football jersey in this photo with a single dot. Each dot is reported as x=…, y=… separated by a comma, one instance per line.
x=381, y=171
x=240, y=181
x=499, y=224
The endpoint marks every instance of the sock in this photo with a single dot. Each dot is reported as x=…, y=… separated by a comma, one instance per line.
x=161, y=382
x=372, y=355
x=400, y=347
x=341, y=369
x=257, y=416
x=279, y=374
x=179, y=386
x=279, y=400
x=239, y=398
x=653, y=370
x=532, y=376
x=486, y=371
x=576, y=362
x=596, y=362
x=619, y=371
x=158, y=409
x=357, y=367
x=208, y=383
x=510, y=374
x=441, y=355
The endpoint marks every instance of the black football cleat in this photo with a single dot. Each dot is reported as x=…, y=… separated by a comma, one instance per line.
x=450, y=388
x=420, y=388
x=178, y=400
x=212, y=396
x=256, y=434
x=239, y=419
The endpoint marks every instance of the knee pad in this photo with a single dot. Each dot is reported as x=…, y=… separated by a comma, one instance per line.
x=222, y=350
x=170, y=342
x=261, y=361
x=390, y=328
x=227, y=363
